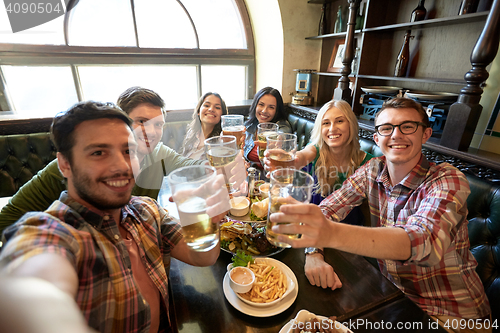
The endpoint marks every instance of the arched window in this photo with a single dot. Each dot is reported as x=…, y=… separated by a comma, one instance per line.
x=179, y=48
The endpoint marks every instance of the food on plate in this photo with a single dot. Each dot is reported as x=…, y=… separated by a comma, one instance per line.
x=270, y=283
x=251, y=239
x=241, y=259
x=315, y=325
x=241, y=279
x=259, y=208
x=239, y=206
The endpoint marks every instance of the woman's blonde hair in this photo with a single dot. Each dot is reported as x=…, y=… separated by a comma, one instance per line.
x=327, y=168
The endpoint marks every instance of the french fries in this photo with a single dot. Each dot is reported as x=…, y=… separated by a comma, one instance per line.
x=270, y=283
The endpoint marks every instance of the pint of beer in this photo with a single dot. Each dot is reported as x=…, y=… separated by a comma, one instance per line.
x=221, y=151
x=282, y=148
x=191, y=186
x=263, y=131
x=288, y=186
x=232, y=125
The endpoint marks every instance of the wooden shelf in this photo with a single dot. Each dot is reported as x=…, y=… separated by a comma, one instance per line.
x=333, y=35
x=459, y=19
x=320, y=2
x=331, y=74
x=414, y=79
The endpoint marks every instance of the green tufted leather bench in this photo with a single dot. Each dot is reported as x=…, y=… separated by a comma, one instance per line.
x=21, y=157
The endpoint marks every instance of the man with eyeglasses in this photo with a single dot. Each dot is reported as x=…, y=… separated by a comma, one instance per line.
x=418, y=215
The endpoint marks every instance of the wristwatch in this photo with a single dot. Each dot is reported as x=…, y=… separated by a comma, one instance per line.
x=312, y=250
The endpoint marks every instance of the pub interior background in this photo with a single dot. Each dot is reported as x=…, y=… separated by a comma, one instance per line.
x=282, y=31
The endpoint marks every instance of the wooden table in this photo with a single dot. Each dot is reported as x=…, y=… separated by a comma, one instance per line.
x=200, y=304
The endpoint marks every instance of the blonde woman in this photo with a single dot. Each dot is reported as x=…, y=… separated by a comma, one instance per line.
x=333, y=155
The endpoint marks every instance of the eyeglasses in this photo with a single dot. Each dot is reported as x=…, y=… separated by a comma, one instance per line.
x=406, y=127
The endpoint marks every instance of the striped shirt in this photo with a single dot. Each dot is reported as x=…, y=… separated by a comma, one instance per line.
x=430, y=205
x=107, y=295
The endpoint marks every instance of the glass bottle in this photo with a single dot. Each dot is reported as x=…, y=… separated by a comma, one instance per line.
x=360, y=17
x=418, y=14
x=468, y=6
x=403, y=57
x=338, y=21
x=322, y=21
x=355, y=61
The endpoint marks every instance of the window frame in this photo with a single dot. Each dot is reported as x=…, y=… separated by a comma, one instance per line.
x=50, y=55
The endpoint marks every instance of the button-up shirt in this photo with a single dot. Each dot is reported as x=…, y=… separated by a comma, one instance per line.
x=430, y=205
x=107, y=295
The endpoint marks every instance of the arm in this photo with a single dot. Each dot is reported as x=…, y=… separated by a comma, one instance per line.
x=33, y=305
x=36, y=195
x=318, y=231
x=319, y=273
x=50, y=267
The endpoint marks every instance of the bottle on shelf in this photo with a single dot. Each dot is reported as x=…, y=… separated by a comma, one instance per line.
x=360, y=18
x=418, y=14
x=338, y=21
x=468, y=6
x=355, y=61
x=403, y=57
x=322, y=21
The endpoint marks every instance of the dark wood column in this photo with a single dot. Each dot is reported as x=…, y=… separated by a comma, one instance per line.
x=343, y=91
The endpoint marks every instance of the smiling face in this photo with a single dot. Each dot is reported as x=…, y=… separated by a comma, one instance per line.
x=210, y=111
x=401, y=151
x=335, y=129
x=103, y=157
x=148, y=126
x=266, y=108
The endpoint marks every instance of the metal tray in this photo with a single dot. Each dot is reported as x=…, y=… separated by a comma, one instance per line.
x=381, y=89
x=431, y=96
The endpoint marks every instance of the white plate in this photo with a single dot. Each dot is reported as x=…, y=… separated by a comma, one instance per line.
x=304, y=315
x=431, y=96
x=381, y=89
x=254, y=311
x=291, y=281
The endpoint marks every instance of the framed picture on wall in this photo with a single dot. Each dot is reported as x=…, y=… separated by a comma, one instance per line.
x=335, y=65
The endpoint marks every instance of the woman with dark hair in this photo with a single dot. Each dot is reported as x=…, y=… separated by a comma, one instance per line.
x=267, y=106
x=206, y=123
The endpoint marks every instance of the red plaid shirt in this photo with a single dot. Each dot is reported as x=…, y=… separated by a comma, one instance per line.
x=108, y=295
x=430, y=205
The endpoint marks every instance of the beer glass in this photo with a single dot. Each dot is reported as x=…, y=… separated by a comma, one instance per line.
x=282, y=148
x=190, y=187
x=232, y=124
x=221, y=151
x=288, y=186
x=263, y=130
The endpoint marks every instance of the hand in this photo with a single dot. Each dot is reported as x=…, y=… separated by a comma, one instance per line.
x=236, y=172
x=241, y=142
x=307, y=220
x=319, y=273
x=215, y=193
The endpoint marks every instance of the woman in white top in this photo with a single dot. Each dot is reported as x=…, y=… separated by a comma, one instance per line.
x=206, y=123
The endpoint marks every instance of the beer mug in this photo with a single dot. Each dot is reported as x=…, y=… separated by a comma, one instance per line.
x=282, y=149
x=232, y=124
x=263, y=130
x=288, y=186
x=190, y=187
x=221, y=151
